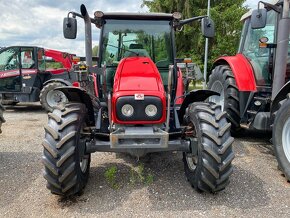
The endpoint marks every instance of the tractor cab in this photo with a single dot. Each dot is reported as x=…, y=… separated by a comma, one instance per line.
x=258, y=44
x=18, y=65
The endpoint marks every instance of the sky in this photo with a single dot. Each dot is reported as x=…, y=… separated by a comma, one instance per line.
x=39, y=22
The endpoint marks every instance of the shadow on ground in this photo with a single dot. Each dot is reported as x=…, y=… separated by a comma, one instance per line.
x=169, y=190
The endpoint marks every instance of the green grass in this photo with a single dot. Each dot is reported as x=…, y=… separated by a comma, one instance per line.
x=111, y=177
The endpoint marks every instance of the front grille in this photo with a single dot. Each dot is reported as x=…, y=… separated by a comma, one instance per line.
x=139, y=108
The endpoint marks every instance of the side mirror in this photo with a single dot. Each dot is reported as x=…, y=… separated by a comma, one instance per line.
x=207, y=27
x=259, y=18
x=69, y=28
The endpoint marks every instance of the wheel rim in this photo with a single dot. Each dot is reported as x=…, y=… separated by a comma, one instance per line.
x=191, y=161
x=217, y=86
x=286, y=139
x=55, y=98
x=83, y=157
x=84, y=163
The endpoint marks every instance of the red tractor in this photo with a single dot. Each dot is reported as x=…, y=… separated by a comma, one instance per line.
x=254, y=85
x=133, y=101
x=25, y=78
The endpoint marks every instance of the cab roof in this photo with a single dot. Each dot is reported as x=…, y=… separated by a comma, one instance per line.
x=249, y=13
x=137, y=16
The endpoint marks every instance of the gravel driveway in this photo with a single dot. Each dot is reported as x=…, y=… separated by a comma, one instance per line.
x=153, y=187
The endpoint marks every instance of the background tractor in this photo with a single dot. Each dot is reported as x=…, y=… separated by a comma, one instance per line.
x=134, y=101
x=25, y=78
x=254, y=85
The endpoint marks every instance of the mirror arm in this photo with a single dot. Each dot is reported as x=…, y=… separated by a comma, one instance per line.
x=74, y=14
x=268, y=5
x=186, y=21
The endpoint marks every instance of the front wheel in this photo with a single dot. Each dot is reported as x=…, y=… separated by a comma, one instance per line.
x=281, y=136
x=223, y=81
x=208, y=167
x=51, y=98
x=66, y=163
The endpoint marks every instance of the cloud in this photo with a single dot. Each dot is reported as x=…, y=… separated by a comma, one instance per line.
x=39, y=23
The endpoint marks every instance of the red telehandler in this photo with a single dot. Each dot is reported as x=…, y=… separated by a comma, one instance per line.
x=134, y=101
x=254, y=84
x=25, y=78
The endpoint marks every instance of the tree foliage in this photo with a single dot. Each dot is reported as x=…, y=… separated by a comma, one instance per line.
x=189, y=42
x=95, y=50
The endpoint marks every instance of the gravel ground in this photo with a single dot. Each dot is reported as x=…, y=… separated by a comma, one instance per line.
x=257, y=188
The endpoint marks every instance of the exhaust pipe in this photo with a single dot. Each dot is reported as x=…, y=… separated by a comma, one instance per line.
x=88, y=35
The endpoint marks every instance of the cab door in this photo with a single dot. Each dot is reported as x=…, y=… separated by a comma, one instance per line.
x=261, y=58
x=10, y=70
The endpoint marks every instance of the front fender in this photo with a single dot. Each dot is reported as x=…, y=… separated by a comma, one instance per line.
x=194, y=96
x=242, y=71
x=75, y=94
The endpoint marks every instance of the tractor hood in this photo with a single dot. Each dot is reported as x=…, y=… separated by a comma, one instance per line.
x=137, y=74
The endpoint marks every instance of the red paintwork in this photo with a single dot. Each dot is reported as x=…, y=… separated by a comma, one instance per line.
x=56, y=71
x=242, y=71
x=180, y=88
x=95, y=85
x=76, y=84
x=137, y=75
x=58, y=56
x=11, y=73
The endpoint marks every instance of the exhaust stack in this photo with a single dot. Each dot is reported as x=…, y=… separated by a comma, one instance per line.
x=88, y=35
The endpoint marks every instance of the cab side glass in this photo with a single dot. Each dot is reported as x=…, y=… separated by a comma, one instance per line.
x=41, y=60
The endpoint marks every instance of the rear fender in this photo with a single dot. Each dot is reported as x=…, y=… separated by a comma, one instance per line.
x=242, y=71
x=194, y=96
x=282, y=94
x=62, y=81
x=79, y=95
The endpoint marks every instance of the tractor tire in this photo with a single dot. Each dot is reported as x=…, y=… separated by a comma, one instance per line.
x=66, y=164
x=2, y=120
x=281, y=136
x=50, y=98
x=208, y=168
x=223, y=81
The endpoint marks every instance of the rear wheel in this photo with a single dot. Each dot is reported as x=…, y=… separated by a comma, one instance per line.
x=2, y=120
x=223, y=81
x=66, y=163
x=281, y=136
x=50, y=98
x=208, y=168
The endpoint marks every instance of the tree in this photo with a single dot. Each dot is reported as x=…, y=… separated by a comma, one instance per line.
x=189, y=42
x=95, y=51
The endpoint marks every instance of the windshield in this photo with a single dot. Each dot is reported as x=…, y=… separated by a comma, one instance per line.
x=127, y=38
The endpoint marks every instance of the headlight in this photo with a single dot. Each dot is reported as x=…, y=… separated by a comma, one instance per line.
x=127, y=110
x=151, y=110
